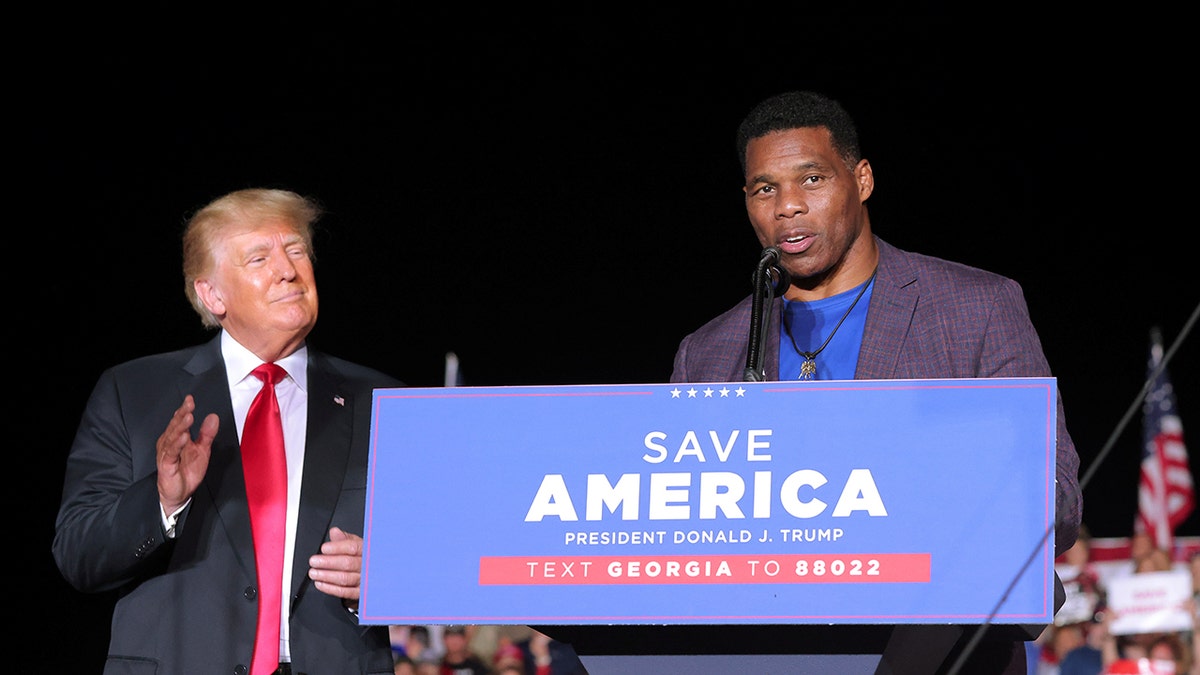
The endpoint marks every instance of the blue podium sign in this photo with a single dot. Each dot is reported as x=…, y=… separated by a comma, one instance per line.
x=830, y=502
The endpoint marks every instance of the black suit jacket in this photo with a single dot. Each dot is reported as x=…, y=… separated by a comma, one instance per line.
x=188, y=605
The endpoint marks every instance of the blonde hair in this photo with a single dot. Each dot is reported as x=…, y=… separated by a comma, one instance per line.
x=251, y=205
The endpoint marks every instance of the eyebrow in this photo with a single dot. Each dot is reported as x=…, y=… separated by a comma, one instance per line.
x=802, y=167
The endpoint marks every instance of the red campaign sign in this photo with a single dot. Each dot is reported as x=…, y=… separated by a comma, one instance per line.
x=703, y=569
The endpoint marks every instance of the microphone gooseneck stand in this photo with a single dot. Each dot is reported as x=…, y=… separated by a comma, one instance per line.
x=770, y=281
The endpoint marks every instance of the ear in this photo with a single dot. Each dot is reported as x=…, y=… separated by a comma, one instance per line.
x=866, y=179
x=210, y=296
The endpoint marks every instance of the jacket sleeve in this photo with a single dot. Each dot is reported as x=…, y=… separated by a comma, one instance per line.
x=109, y=527
x=1011, y=348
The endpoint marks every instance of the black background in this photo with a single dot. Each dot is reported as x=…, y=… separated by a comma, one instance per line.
x=556, y=199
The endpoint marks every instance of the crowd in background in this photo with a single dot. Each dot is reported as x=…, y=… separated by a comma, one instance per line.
x=1081, y=641
x=1084, y=640
x=480, y=650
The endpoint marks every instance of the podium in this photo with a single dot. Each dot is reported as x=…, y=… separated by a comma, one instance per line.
x=765, y=650
x=712, y=528
x=784, y=649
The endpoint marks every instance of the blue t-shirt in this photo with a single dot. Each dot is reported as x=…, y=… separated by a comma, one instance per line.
x=809, y=324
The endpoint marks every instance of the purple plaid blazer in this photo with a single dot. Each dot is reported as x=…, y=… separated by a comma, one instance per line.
x=928, y=318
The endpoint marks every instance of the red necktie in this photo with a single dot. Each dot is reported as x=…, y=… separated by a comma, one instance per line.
x=265, y=466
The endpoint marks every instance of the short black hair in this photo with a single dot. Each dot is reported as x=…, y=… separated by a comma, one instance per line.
x=796, y=110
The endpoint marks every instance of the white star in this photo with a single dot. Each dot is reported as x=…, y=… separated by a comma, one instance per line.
x=708, y=392
x=741, y=391
x=724, y=392
x=675, y=392
x=692, y=392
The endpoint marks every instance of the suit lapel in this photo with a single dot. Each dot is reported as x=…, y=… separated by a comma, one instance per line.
x=893, y=303
x=224, y=485
x=326, y=452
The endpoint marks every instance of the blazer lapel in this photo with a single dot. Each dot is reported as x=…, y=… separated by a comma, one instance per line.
x=224, y=485
x=893, y=303
x=326, y=451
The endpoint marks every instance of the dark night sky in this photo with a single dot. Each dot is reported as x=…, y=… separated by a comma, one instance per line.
x=562, y=207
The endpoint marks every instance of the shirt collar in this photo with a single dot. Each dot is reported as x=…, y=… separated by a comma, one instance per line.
x=239, y=362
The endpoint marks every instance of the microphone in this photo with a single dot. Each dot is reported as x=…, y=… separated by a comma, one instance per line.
x=771, y=266
x=777, y=275
x=770, y=281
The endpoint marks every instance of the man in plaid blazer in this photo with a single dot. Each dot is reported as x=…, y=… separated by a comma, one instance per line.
x=860, y=308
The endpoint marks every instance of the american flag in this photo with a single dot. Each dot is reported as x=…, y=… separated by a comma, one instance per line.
x=1165, y=492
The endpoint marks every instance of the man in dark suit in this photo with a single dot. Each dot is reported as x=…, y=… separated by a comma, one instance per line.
x=155, y=499
x=859, y=308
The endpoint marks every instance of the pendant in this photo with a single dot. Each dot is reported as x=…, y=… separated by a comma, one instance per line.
x=808, y=369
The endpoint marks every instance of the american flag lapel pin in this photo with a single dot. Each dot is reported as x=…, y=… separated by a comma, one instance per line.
x=340, y=401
